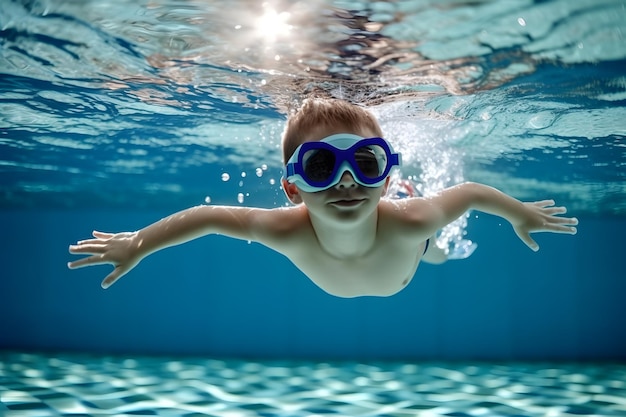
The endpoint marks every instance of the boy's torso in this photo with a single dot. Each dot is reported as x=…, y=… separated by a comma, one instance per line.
x=385, y=270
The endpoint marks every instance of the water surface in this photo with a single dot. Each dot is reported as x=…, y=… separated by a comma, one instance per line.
x=148, y=103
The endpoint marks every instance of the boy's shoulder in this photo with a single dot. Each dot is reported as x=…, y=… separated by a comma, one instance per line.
x=404, y=214
x=408, y=209
x=287, y=217
x=282, y=229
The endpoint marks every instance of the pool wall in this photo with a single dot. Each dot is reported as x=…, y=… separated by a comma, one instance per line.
x=226, y=298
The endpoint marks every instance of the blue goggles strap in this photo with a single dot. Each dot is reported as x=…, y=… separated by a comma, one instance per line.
x=345, y=157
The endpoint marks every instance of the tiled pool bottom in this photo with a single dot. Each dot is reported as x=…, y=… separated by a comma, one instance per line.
x=38, y=385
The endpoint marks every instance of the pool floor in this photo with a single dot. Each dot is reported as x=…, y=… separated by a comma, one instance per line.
x=41, y=385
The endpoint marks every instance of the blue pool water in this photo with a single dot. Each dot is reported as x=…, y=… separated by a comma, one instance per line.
x=114, y=114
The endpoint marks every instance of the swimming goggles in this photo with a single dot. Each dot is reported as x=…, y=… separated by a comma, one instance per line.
x=319, y=165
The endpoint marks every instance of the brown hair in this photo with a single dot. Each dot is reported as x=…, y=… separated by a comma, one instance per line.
x=324, y=113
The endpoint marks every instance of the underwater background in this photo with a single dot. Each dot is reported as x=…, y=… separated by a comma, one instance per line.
x=114, y=114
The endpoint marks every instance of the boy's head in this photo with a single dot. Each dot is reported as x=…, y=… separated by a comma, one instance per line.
x=318, y=118
x=339, y=151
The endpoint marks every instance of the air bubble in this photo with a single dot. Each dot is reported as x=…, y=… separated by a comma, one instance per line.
x=225, y=177
x=207, y=199
x=259, y=172
x=240, y=198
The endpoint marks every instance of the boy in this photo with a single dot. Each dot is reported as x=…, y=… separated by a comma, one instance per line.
x=341, y=233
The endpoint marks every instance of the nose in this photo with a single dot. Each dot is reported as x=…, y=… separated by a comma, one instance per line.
x=346, y=180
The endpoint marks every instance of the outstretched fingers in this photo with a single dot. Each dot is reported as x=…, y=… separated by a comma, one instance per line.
x=561, y=224
x=563, y=227
x=110, y=279
x=529, y=241
x=102, y=235
x=554, y=210
x=89, y=242
x=554, y=222
x=548, y=207
x=544, y=216
x=88, y=261
x=106, y=248
x=91, y=248
x=555, y=228
x=544, y=203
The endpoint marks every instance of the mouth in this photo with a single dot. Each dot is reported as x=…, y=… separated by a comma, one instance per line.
x=349, y=202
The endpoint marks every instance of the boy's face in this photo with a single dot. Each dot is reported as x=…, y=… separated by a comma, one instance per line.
x=345, y=201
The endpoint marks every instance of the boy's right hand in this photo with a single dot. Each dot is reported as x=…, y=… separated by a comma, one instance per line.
x=119, y=249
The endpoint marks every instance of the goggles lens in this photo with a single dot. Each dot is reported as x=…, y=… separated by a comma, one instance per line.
x=316, y=166
x=319, y=165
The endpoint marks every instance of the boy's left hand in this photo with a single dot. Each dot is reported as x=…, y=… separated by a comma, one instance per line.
x=542, y=216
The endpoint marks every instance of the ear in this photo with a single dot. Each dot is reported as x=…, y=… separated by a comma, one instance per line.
x=291, y=191
x=386, y=186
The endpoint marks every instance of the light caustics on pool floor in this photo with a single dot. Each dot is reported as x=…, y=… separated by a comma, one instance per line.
x=54, y=385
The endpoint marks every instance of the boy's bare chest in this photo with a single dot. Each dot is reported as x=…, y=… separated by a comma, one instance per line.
x=386, y=270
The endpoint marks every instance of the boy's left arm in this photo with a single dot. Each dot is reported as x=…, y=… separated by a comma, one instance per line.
x=526, y=218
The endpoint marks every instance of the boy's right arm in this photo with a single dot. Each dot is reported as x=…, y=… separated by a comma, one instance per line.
x=125, y=250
